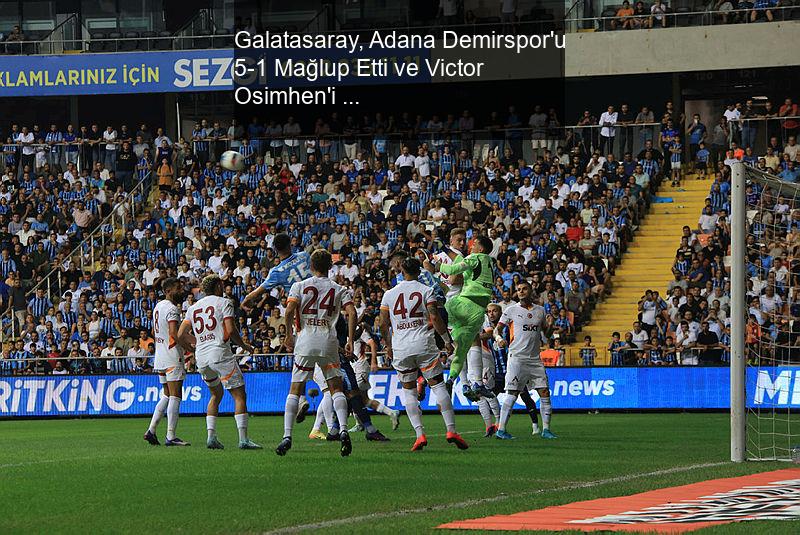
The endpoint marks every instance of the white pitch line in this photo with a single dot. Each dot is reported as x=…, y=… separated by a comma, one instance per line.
x=490, y=499
x=46, y=461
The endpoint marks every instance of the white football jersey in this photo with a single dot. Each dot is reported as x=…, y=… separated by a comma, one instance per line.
x=412, y=330
x=167, y=352
x=319, y=303
x=525, y=330
x=444, y=258
x=207, y=318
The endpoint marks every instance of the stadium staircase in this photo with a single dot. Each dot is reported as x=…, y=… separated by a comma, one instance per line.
x=647, y=264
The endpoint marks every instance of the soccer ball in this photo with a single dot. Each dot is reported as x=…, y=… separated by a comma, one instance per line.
x=232, y=160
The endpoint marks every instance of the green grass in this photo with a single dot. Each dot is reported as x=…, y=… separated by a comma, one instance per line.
x=89, y=476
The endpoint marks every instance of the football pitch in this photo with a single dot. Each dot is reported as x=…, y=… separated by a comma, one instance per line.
x=98, y=475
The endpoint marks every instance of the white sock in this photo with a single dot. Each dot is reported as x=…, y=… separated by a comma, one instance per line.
x=486, y=412
x=211, y=425
x=495, y=406
x=173, y=411
x=319, y=418
x=158, y=412
x=241, y=425
x=302, y=400
x=327, y=411
x=340, y=407
x=290, y=413
x=463, y=375
x=545, y=409
x=413, y=411
x=383, y=409
x=475, y=365
x=445, y=406
x=508, y=408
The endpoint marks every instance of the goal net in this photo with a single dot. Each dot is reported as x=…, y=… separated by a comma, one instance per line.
x=765, y=316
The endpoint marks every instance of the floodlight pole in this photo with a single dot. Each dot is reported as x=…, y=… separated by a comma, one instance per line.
x=738, y=312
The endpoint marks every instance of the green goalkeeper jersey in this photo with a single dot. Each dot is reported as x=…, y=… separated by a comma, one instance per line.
x=478, y=270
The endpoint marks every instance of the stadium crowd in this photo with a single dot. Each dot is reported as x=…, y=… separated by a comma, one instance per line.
x=359, y=188
x=690, y=324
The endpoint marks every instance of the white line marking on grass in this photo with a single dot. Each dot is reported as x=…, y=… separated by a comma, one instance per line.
x=489, y=499
x=46, y=461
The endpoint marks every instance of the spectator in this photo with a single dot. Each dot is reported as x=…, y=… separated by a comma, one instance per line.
x=624, y=18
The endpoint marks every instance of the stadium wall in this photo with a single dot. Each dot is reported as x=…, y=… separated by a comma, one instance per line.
x=682, y=49
x=599, y=388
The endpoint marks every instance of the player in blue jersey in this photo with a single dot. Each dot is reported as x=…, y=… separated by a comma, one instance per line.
x=293, y=267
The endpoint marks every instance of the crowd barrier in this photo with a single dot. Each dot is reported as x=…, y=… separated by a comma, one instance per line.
x=572, y=389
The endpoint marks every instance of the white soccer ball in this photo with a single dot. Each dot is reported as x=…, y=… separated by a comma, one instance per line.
x=232, y=160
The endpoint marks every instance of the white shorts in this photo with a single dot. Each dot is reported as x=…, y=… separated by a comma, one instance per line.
x=172, y=373
x=303, y=368
x=676, y=166
x=226, y=372
x=488, y=369
x=523, y=374
x=407, y=367
x=362, y=367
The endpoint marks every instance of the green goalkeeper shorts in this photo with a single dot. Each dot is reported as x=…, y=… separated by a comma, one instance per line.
x=465, y=317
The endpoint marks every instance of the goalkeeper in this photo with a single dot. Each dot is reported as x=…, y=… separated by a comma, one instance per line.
x=467, y=310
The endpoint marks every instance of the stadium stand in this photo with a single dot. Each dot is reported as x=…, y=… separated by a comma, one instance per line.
x=360, y=189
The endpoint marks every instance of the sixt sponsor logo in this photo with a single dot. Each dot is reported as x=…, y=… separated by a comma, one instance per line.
x=74, y=395
x=781, y=389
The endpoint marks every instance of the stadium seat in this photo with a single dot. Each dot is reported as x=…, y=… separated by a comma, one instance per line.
x=607, y=12
x=164, y=42
x=113, y=46
x=202, y=39
x=94, y=44
x=130, y=43
x=147, y=40
x=222, y=38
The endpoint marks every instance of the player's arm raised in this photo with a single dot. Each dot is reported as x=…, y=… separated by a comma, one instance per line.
x=253, y=298
x=466, y=264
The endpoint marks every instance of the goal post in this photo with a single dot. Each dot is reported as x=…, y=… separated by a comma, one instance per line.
x=738, y=313
x=764, y=315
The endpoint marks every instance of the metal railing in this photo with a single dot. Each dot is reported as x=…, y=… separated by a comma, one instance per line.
x=682, y=18
x=93, y=245
x=253, y=363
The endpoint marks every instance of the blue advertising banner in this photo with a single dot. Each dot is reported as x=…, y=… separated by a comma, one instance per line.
x=126, y=72
x=572, y=388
